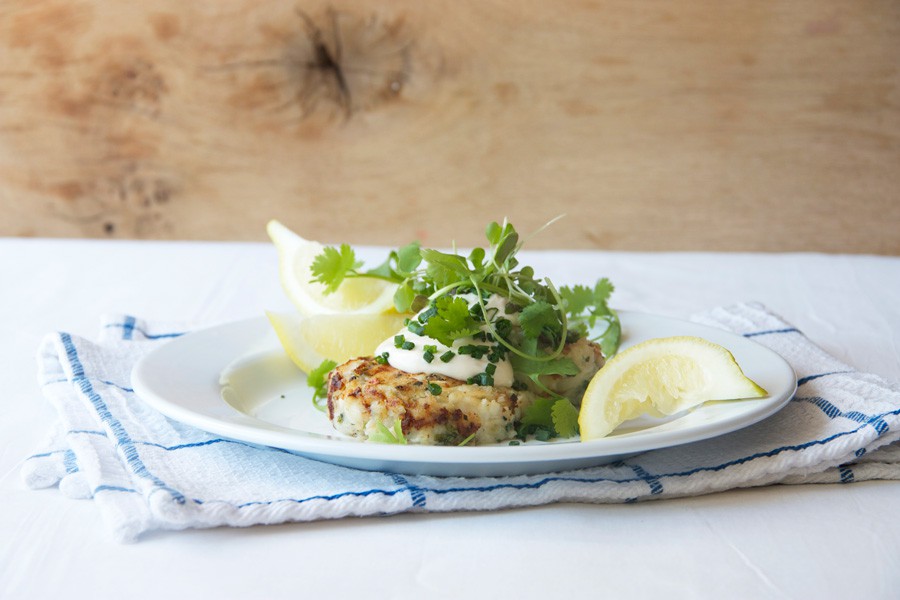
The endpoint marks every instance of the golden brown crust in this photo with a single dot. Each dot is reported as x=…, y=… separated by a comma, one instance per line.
x=363, y=393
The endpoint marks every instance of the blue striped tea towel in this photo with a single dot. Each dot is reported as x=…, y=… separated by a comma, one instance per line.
x=147, y=472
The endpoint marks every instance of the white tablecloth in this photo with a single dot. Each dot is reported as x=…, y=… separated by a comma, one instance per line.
x=823, y=541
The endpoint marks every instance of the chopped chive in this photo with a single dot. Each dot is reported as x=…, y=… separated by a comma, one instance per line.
x=416, y=327
x=407, y=346
x=490, y=369
x=503, y=327
x=427, y=314
x=399, y=340
x=435, y=389
x=480, y=379
x=430, y=348
x=473, y=350
x=428, y=356
x=498, y=353
x=467, y=440
x=382, y=358
x=447, y=356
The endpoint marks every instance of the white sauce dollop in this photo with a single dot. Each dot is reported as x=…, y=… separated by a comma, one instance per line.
x=461, y=366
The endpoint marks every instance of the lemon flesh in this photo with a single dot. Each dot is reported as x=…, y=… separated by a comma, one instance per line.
x=296, y=255
x=310, y=340
x=661, y=377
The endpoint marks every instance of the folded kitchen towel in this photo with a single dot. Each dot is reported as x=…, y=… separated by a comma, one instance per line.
x=148, y=472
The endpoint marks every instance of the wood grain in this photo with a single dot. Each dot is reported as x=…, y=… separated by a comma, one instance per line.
x=708, y=125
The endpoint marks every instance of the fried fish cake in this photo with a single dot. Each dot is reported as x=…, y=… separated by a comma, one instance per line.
x=431, y=409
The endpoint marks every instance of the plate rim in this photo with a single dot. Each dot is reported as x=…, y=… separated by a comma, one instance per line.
x=439, y=459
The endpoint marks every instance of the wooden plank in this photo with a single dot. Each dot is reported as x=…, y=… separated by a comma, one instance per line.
x=712, y=125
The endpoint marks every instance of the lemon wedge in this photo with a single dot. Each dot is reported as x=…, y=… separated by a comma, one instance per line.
x=661, y=377
x=295, y=256
x=310, y=340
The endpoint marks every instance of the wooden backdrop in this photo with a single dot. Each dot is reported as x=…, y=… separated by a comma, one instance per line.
x=702, y=124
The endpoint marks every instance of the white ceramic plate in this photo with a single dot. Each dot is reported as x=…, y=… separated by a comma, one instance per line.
x=234, y=380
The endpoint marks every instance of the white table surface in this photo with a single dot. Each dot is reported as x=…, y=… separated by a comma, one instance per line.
x=821, y=541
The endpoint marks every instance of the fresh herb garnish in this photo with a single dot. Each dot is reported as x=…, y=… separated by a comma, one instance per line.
x=434, y=283
x=467, y=440
x=317, y=379
x=388, y=435
x=586, y=307
x=565, y=418
x=332, y=266
x=451, y=320
x=548, y=418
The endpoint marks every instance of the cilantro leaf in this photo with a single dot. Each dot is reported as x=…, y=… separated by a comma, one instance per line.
x=538, y=364
x=584, y=303
x=539, y=413
x=332, y=265
x=586, y=306
x=603, y=289
x=451, y=320
x=535, y=368
x=576, y=299
x=537, y=316
x=609, y=339
x=565, y=418
x=548, y=417
x=318, y=381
